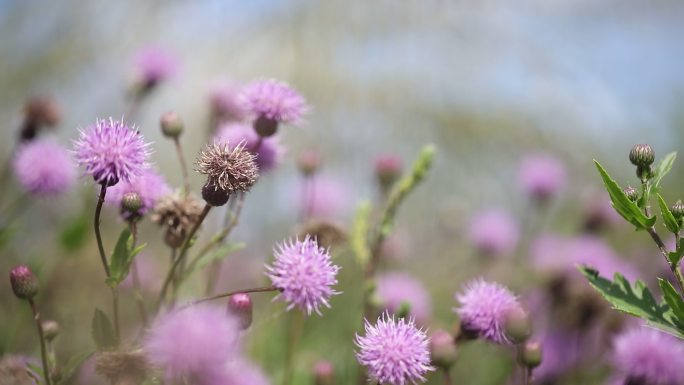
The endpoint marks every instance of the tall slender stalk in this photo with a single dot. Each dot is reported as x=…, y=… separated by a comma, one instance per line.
x=98, y=236
x=296, y=329
x=135, y=276
x=41, y=336
x=184, y=165
x=446, y=376
x=228, y=294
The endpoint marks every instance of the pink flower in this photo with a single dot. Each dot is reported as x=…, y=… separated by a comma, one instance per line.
x=44, y=168
x=396, y=289
x=541, y=176
x=274, y=100
x=494, y=232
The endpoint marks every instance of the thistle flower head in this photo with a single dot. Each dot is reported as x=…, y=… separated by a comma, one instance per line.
x=177, y=213
x=228, y=169
x=154, y=65
x=237, y=371
x=394, y=352
x=648, y=356
x=111, y=151
x=396, y=289
x=275, y=101
x=304, y=273
x=44, y=168
x=541, y=176
x=149, y=185
x=268, y=151
x=226, y=103
x=191, y=342
x=483, y=309
x=493, y=232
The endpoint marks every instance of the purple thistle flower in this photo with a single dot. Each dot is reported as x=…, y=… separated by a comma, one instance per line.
x=305, y=274
x=149, y=185
x=393, y=351
x=494, y=232
x=324, y=196
x=396, y=289
x=111, y=151
x=274, y=100
x=44, y=168
x=483, y=309
x=648, y=356
x=237, y=372
x=226, y=104
x=192, y=343
x=541, y=176
x=154, y=65
x=269, y=152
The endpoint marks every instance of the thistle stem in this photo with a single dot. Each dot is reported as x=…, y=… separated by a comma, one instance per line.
x=41, y=336
x=296, y=329
x=228, y=294
x=184, y=165
x=98, y=236
x=446, y=376
x=183, y=252
x=135, y=276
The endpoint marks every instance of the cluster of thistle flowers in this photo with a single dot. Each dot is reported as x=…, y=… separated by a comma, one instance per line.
x=576, y=328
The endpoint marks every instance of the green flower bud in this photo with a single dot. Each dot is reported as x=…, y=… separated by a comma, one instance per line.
x=531, y=354
x=677, y=209
x=50, y=329
x=171, y=125
x=642, y=155
x=517, y=326
x=443, y=351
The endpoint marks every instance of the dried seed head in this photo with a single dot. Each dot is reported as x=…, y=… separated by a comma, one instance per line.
x=327, y=233
x=122, y=367
x=177, y=214
x=228, y=169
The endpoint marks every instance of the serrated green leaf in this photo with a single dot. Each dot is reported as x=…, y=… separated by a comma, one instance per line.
x=629, y=210
x=676, y=256
x=636, y=300
x=673, y=299
x=359, y=234
x=72, y=365
x=102, y=331
x=671, y=223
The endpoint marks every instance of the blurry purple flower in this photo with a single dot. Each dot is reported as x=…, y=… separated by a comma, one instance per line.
x=323, y=196
x=269, y=152
x=237, y=372
x=648, y=356
x=111, y=151
x=154, y=65
x=225, y=103
x=599, y=213
x=192, y=343
x=394, y=352
x=44, y=168
x=15, y=370
x=274, y=100
x=149, y=185
x=149, y=274
x=494, y=232
x=305, y=274
x=396, y=289
x=562, y=351
x=541, y=176
x=483, y=309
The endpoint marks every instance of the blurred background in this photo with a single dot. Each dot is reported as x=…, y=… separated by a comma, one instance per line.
x=487, y=82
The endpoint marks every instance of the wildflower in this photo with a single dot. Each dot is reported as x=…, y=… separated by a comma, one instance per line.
x=396, y=290
x=44, y=168
x=323, y=196
x=191, y=343
x=24, y=282
x=178, y=214
x=122, y=367
x=226, y=105
x=648, y=356
x=228, y=170
x=153, y=66
x=111, y=151
x=171, y=125
x=308, y=162
x=304, y=273
x=393, y=351
x=268, y=151
x=443, y=349
x=272, y=102
x=324, y=373
x=237, y=371
x=149, y=185
x=541, y=176
x=240, y=306
x=483, y=310
x=494, y=232
x=388, y=169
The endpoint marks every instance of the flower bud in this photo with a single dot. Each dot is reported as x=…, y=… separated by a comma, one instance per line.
x=644, y=172
x=50, y=329
x=24, y=282
x=240, y=305
x=531, y=354
x=517, y=326
x=171, y=125
x=388, y=169
x=308, y=162
x=324, y=373
x=631, y=193
x=443, y=350
x=265, y=126
x=213, y=195
x=131, y=202
x=677, y=209
x=642, y=155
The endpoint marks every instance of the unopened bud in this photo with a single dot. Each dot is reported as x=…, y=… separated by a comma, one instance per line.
x=265, y=126
x=644, y=172
x=517, y=326
x=171, y=125
x=388, y=169
x=443, y=350
x=324, y=373
x=677, y=209
x=24, y=282
x=642, y=155
x=214, y=195
x=631, y=193
x=308, y=162
x=531, y=354
x=50, y=329
x=131, y=202
x=240, y=305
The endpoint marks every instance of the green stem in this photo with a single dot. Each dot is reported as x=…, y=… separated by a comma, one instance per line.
x=98, y=236
x=184, y=165
x=183, y=252
x=296, y=329
x=135, y=276
x=228, y=294
x=41, y=336
x=447, y=376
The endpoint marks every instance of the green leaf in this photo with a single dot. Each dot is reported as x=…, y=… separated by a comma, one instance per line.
x=72, y=365
x=75, y=233
x=122, y=257
x=662, y=169
x=636, y=300
x=359, y=234
x=626, y=208
x=102, y=331
x=673, y=299
x=676, y=256
x=671, y=223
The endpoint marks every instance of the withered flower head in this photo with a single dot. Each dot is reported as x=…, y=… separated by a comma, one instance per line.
x=228, y=169
x=177, y=213
x=327, y=233
x=122, y=368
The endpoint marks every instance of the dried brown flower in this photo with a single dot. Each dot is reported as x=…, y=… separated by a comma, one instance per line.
x=178, y=214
